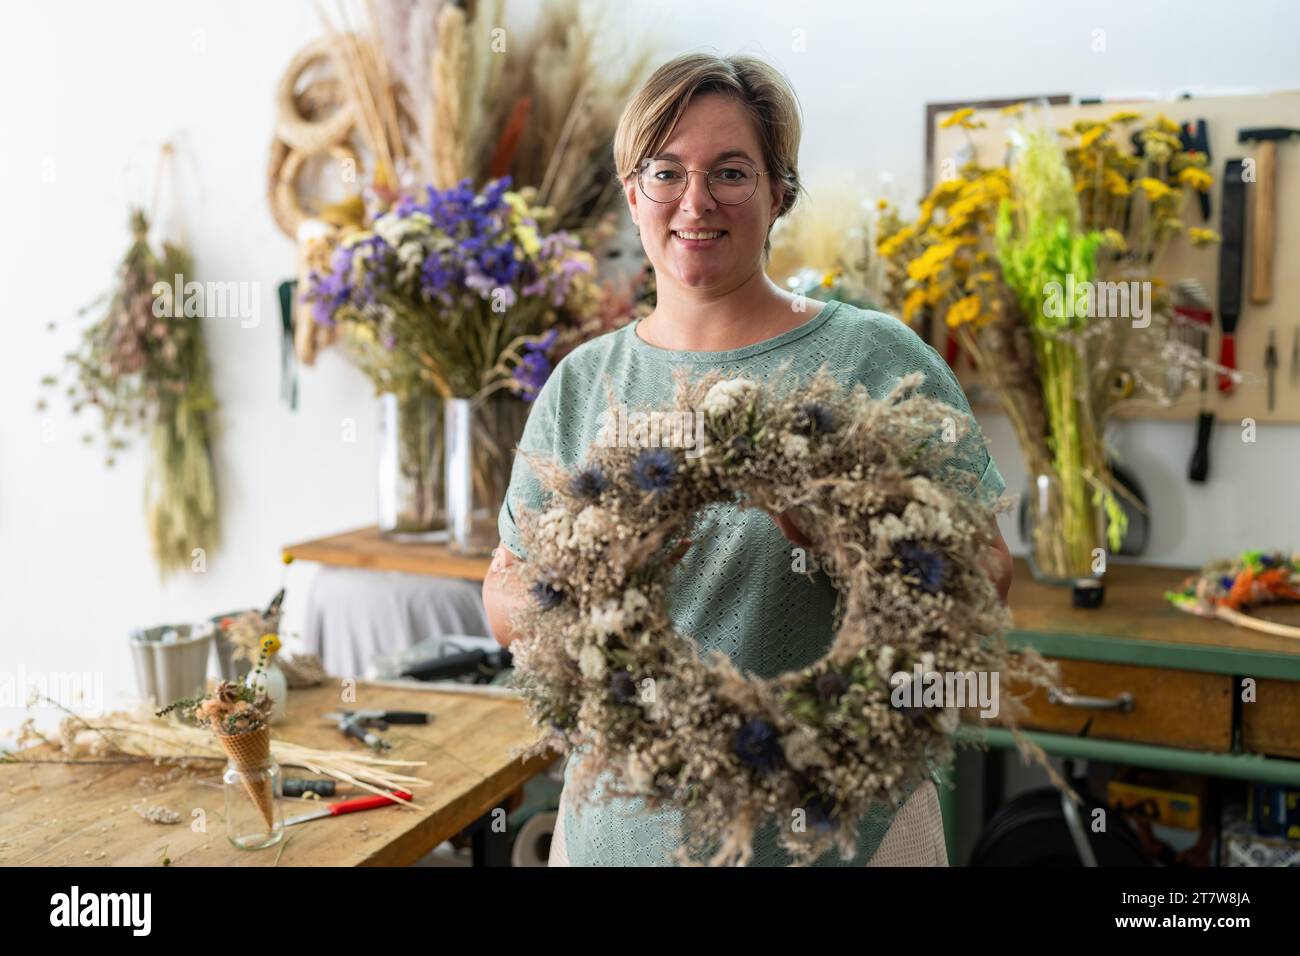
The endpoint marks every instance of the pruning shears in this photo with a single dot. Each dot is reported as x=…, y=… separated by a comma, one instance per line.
x=357, y=723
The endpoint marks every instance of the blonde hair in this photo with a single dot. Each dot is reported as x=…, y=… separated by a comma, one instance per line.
x=654, y=109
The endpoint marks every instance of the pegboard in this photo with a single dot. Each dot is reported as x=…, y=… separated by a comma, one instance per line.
x=1223, y=116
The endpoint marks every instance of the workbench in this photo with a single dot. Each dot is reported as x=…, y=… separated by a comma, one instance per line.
x=1184, y=673
x=54, y=814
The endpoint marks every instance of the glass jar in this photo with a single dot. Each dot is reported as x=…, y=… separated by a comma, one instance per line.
x=1065, y=529
x=411, y=469
x=481, y=437
x=253, y=816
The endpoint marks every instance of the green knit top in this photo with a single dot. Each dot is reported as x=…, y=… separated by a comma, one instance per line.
x=734, y=589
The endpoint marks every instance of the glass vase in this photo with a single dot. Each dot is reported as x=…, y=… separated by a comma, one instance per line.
x=1065, y=530
x=272, y=682
x=411, y=468
x=481, y=436
x=253, y=816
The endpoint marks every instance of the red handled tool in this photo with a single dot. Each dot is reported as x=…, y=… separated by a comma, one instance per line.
x=348, y=806
x=952, y=350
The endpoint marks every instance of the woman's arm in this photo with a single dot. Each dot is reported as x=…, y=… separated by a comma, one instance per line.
x=998, y=562
x=502, y=596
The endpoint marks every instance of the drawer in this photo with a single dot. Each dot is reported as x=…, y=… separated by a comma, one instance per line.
x=1171, y=708
x=1271, y=724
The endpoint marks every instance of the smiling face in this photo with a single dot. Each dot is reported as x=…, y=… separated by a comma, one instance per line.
x=713, y=125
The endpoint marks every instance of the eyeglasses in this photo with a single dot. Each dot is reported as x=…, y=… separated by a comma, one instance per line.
x=730, y=183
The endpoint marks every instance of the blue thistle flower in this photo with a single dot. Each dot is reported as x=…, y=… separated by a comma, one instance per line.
x=922, y=566
x=755, y=742
x=915, y=713
x=742, y=448
x=546, y=595
x=820, y=813
x=815, y=418
x=622, y=687
x=655, y=470
x=589, y=483
x=830, y=686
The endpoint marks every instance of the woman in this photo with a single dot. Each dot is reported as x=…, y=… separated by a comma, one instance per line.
x=706, y=151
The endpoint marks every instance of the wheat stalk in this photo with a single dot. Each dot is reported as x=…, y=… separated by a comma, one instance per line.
x=153, y=739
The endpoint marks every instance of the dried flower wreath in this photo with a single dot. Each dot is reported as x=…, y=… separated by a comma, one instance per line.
x=872, y=480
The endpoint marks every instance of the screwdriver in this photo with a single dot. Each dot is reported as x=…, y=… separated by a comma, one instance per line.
x=1270, y=363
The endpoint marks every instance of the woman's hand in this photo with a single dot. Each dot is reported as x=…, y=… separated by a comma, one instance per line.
x=790, y=529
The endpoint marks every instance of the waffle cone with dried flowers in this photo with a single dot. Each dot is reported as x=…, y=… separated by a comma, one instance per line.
x=249, y=752
x=238, y=713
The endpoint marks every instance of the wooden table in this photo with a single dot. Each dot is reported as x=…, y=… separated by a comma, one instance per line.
x=366, y=548
x=83, y=815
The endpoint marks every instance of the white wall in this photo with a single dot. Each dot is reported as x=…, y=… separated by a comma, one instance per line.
x=90, y=89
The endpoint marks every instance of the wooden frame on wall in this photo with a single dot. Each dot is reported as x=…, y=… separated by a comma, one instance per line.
x=932, y=111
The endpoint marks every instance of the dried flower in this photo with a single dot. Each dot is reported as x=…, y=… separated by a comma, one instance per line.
x=654, y=470
x=589, y=483
x=546, y=595
x=727, y=395
x=830, y=686
x=815, y=419
x=622, y=687
x=922, y=566
x=608, y=618
x=592, y=662
x=756, y=743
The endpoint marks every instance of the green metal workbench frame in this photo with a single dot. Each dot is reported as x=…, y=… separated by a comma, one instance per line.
x=1121, y=650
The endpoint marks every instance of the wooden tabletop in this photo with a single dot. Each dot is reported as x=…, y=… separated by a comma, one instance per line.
x=1135, y=609
x=85, y=815
x=367, y=548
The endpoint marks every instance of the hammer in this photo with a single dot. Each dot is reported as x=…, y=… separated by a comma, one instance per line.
x=1261, y=272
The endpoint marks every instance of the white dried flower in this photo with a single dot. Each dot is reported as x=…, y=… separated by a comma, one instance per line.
x=608, y=618
x=794, y=446
x=592, y=662
x=159, y=814
x=802, y=749
x=885, y=661
x=640, y=774
x=725, y=396
x=557, y=525
x=656, y=710
x=926, y=522
x=396, y=230
x=634, y=603
x=888, y=528
x=589, y=528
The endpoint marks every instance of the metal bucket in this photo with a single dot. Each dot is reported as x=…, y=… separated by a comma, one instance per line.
x=167, y=671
